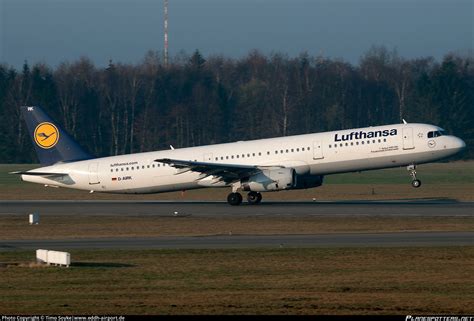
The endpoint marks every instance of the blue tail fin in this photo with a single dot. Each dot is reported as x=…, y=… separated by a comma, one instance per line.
x=52, y=143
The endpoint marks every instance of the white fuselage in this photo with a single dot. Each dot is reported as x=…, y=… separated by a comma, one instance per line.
x=311, y=154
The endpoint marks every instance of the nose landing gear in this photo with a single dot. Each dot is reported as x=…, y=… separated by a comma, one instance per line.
x=415, y=182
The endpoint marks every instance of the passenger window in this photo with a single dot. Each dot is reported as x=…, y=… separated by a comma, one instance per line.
x=362, y=142
x=268, y=153
x=232, y=156
x=281, y=151
x=302, y=149
x=121, y=169
x=357, y=143
x=287, y=151
x=276, y=152
x=297, y=150
x=347, y=144
x=329, y=145
x=352, y=143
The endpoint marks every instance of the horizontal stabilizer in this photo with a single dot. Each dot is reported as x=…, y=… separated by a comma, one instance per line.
x=39, y=173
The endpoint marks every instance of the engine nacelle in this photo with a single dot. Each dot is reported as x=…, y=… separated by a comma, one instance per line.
x=270, y=180
x=308, y=181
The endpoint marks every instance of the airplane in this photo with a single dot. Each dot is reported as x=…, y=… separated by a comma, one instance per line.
x=256, y=166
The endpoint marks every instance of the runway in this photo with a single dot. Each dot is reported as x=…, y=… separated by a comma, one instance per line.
x=423, y=208
x=253, y=241
x=210, y=209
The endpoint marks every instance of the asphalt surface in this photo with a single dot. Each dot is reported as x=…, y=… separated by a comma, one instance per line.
x=253, y=241
x=209, y=209
x=425, y=208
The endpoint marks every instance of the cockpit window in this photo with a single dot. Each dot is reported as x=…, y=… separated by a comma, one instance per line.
x=435, y=134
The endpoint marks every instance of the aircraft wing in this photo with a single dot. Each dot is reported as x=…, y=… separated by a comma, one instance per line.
x=227, y=173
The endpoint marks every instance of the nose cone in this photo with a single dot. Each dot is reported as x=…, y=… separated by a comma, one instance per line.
x=458, y=143
x=462, y=144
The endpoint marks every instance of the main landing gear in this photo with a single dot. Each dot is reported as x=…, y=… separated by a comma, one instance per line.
x=415, y=182
x=254, y=198
x=235, y=198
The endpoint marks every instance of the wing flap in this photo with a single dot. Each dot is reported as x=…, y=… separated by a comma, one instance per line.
x=228, y=173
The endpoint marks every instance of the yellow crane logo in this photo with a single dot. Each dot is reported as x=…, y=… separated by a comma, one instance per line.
x=46, y=135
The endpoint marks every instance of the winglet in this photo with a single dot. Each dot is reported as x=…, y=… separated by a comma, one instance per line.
x=404, y=121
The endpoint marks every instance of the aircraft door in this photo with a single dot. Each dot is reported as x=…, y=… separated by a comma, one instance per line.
x=317, y=150
x=207, y=157
x=94, y=174
x=408, y=138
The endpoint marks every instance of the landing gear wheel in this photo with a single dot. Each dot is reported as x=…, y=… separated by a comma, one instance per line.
x=416, y=183
x=234, y=199
x=254, y=198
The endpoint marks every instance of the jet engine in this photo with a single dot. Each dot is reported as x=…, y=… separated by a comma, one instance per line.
x=308, y=181
x=270, y=180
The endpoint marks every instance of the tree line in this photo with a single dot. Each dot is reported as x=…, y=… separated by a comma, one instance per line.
x=129, y=108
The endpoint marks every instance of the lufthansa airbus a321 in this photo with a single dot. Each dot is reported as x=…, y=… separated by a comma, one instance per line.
x=264, y=165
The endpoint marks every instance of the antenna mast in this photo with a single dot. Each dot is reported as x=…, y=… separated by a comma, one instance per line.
x=166, y=32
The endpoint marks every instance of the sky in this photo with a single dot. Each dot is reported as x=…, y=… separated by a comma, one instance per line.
x=54, y=31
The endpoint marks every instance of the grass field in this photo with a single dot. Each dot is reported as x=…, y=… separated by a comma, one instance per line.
x=15, y=227
x=279, y=281
x=440, y=180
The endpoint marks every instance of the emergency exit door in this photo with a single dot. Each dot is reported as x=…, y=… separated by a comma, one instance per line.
x=207, y=158
x=317, y=150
